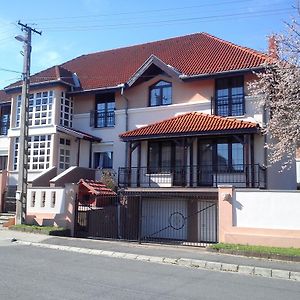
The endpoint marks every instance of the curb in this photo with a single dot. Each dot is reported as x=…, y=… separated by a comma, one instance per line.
x=182, y=262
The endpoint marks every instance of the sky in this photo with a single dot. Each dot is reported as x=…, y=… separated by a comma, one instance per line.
x=71, y=28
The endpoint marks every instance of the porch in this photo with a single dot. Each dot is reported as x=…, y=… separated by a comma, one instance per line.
x=194, y=150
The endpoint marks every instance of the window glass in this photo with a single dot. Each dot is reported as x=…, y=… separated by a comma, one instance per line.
x=105, y=110
x=237, y=156
x=103, y=160
x=161, y=93
x=230, y=96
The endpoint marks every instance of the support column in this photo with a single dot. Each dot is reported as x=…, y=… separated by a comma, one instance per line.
x=225, y=195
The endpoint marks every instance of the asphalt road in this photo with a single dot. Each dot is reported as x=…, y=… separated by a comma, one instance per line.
x=34, y=273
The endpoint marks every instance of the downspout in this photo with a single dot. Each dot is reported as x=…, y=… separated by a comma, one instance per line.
x=126, y=123
x=264, y=121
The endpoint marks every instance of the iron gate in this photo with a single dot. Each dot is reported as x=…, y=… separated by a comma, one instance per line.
x=180, y=218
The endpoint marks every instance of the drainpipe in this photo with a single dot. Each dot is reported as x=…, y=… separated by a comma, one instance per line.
x=264, y=122
x=126, y=123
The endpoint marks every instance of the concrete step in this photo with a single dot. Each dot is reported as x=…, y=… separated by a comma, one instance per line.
x=4, y=217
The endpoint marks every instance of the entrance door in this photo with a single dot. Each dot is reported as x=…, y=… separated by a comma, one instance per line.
x=179, y=173
x=205, y=164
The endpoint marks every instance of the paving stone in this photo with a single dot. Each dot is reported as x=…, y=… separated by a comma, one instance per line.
x=197, y=263
x=107, y=253
x=185, y=262
x=130, y=256
x=281, y=274
x=249, y=270
x=229, y=267
x=95, y=252
x=118, y=254
x=156, y=259
x=143, y=258
x=295, y=276
x=265, y=272
x=168, y=260
x=211, y=265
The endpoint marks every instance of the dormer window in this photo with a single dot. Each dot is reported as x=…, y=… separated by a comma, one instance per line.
x=160, y=93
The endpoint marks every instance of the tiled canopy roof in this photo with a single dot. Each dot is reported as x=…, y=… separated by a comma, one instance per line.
x=191, y=124
x=195, y=54
x=96, y=188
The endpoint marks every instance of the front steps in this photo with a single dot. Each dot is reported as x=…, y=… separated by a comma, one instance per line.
x=5, y=218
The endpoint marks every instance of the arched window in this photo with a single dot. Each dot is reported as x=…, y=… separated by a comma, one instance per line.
x=160, y=93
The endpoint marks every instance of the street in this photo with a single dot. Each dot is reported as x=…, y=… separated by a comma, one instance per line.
x=31, y=273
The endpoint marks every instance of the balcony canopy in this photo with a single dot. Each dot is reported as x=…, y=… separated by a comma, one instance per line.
x=191, y=124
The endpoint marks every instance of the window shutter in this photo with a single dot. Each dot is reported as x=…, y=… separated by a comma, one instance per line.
x=92, y=118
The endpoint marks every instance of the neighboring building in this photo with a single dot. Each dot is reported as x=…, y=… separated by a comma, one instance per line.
x=79, y=109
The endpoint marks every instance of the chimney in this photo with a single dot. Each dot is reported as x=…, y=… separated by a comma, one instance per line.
x=273, y=47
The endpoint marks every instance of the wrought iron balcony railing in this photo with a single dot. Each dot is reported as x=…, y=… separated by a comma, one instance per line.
x=239, y=175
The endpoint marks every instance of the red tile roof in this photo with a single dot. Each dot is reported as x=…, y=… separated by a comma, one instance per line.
x=195, y=54
x=96, y=188
x=191, y=124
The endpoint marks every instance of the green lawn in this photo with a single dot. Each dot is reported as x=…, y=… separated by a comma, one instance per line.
x=257, y=249
x=50, y=230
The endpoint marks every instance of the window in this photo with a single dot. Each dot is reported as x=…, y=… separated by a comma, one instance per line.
x=4, y=118
x=38, y=152
x=230, y=156
x=64, y=153
x=230, y=96
x=3, y=162
x=66, y=110
x=103, y=160
x=104, y=115
x=160, y=93
x=40, y=108
x=164, y=156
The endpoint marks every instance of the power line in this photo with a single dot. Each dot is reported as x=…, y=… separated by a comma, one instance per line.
x=142, y=11
x=169, y=21
x=8, y=70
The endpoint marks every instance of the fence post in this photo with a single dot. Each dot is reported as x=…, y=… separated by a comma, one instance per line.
x=140, y=219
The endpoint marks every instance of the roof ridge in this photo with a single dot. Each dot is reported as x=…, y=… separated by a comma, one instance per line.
x=243, y=48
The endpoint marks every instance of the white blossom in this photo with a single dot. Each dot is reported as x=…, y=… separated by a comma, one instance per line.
x=278, y=87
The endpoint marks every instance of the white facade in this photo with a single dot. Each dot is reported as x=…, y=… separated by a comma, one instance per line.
x=266, y=209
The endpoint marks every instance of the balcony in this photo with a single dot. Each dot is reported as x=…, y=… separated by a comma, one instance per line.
x=241, y=176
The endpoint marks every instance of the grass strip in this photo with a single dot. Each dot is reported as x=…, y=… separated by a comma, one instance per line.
x=257, y=249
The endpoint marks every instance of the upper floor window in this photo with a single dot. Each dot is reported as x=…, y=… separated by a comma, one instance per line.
x=66, y=110
x=104, y=114
x=230, y=96
x=40, y=108
x=64, y=153
x=160, y=93
x=4, y=118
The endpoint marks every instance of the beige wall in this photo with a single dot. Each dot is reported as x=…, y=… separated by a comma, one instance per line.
x=138, y=96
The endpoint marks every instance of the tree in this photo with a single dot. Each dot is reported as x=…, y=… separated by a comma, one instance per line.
x=278, y=88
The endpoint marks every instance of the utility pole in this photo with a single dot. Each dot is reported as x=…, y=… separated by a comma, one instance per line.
x=21, y=194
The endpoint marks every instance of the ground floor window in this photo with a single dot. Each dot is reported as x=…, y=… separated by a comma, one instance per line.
x=103, y=160
x=226, y=154
x=38, y=152
x=3, y=162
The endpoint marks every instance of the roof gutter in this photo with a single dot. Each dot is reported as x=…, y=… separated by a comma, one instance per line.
x=37, y=84
x=111, y=88
x=207, y=75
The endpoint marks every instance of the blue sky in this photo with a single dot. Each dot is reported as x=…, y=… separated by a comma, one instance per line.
x=75, y=27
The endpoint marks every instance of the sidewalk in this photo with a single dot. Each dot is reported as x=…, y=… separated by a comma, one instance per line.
x=180, y=255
